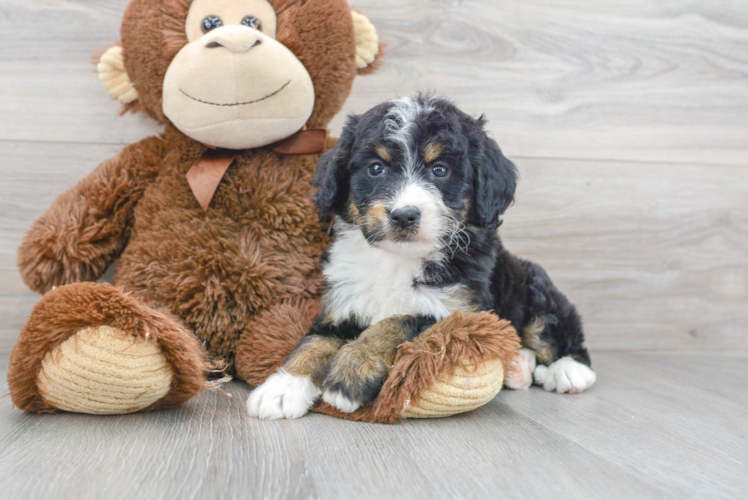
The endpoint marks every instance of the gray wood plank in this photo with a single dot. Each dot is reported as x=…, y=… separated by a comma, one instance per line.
x=36, y=174
x=637, y=80
x=655, y=81
x=677, y=420
x=651, y=428
x=655, y=256
x=50, y=91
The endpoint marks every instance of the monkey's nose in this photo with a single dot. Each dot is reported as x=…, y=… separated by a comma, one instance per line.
x=237, y=39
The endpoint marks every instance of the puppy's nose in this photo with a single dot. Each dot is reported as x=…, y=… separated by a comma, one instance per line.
x=406, y=217
x=237, y=39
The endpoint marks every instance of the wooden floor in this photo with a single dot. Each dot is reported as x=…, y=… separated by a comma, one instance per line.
x=628, y=121
x=666, y=425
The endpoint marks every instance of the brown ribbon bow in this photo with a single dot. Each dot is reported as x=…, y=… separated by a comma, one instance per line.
x=206, y=174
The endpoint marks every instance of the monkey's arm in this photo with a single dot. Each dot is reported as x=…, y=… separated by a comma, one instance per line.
x=88, y=226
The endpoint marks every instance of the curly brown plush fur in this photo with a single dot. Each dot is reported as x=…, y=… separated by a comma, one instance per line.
x=274, y=332
x=246, y=268
x=259, y=245
x=88, y=226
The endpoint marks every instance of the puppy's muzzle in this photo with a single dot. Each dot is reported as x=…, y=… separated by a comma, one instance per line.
x=405, y=218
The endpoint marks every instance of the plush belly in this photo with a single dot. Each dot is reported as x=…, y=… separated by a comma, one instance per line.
x=258, y=244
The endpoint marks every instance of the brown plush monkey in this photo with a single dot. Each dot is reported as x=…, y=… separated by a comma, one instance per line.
x=212, y=223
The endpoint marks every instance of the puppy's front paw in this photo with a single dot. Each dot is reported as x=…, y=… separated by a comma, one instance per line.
x=355, y=378
x=565, y=375
x=520, y=373
x=282, y=395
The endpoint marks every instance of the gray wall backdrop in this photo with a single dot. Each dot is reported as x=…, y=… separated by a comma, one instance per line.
x=628, y=121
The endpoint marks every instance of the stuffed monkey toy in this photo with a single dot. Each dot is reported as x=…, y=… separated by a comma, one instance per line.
x=212, y=226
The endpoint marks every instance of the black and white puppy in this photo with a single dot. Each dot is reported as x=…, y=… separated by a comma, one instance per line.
x=416, y=189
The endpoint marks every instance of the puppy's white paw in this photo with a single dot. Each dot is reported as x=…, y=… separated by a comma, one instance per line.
x=520, y=373
x=282, y=395
x=342, y=403
x=565, y=375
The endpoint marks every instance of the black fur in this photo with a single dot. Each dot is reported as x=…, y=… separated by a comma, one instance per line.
x=331, y=177
x=479, y=188
x=356, y=388
x=348, y=330
x=496, y=181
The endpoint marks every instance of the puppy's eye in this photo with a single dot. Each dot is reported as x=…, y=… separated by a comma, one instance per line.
x=439, y=171
x=211, y=23
x=376, y=170
x=252, y=22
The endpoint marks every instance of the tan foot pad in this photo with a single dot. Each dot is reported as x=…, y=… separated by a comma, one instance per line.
x=104, y=371
x=465, y=390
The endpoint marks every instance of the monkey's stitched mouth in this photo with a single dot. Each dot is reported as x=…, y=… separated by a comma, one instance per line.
x=236, y=103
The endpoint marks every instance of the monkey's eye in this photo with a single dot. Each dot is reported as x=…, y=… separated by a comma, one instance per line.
x=252, y=22
x=439, y=171
x=211, y=23
x=376, y=170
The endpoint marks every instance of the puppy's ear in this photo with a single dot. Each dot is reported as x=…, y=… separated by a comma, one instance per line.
x=495, y=184
x=332, y=174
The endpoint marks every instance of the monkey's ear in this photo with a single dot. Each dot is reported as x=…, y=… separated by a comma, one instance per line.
x=332, y=175
x=495, y=184
x=114, y=77
x=368, y=49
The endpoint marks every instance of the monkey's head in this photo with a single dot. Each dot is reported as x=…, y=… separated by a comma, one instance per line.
x=239, y=74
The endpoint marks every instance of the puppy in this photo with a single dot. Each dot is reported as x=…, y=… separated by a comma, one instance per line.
x=416, y=189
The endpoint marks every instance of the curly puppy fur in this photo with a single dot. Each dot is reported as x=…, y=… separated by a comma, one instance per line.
x=311, y=357
x=359, y=368
x=424, y=155
x=417, y=189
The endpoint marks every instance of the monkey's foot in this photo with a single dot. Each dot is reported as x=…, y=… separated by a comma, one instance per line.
x=106, y=371
x=89, y=348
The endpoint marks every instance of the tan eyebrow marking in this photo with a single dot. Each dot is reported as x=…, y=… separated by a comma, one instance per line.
x=432, y=152
x=383, y=153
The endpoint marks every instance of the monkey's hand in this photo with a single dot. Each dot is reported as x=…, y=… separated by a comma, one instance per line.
x=87, y=227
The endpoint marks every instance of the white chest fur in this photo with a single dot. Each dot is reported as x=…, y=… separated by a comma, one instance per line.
x=369, y=284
